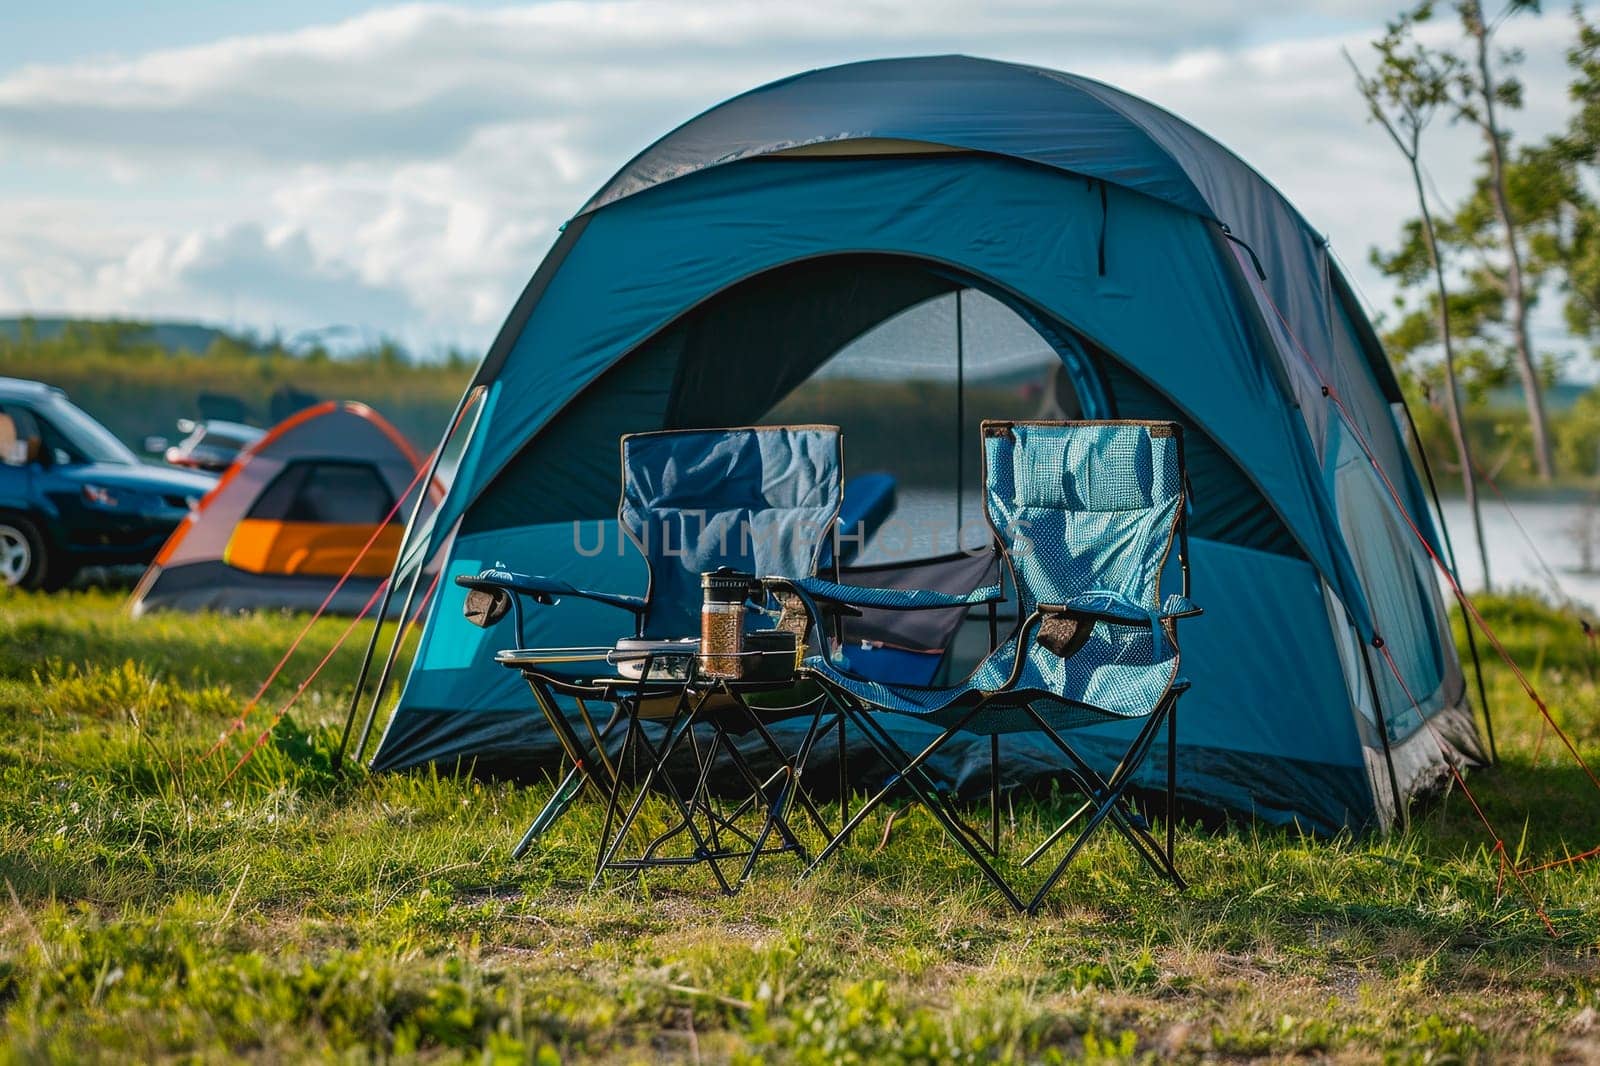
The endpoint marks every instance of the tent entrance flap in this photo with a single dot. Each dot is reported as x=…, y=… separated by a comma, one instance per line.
x=823, y=326
x=907, y=355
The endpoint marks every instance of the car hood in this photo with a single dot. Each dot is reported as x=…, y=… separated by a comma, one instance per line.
x=160, y=480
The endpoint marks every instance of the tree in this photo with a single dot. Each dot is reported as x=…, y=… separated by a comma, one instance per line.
x=1404, y=92
x=1478, y=91
x=1566, y=246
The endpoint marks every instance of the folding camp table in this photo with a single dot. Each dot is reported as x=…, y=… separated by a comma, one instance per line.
x=674, y=705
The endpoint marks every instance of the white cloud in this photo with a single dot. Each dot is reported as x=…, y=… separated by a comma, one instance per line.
x=415, y=81
x=405, y=170
x=240, y=273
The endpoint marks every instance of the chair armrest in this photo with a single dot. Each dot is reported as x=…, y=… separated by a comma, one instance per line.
x=544, y=590
x=1116, y=609
x=832, y=592
x=1112, y=608
x=1064, y=628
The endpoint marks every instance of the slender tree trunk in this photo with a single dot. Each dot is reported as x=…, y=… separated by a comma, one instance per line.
x=1452, y=396
x=1516, y=292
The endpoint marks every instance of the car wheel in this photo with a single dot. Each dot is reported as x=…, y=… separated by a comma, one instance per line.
x=24, y=557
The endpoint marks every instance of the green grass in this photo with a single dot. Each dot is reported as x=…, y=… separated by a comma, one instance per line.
x=152, y=909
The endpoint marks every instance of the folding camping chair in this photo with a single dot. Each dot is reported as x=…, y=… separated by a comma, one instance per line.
x=1086, y=514
x=761, y=500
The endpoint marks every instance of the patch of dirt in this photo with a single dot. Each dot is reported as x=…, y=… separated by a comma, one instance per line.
x=1344, y=983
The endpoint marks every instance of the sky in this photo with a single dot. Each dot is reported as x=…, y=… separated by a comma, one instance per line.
x=350, y=171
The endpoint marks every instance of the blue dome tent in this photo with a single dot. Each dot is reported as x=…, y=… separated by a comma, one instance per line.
x=722, y=275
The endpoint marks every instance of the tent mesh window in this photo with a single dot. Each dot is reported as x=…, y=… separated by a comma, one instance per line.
x=342, y=493
x=910, y=393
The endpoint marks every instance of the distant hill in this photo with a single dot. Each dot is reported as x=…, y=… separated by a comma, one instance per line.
x=172, y=336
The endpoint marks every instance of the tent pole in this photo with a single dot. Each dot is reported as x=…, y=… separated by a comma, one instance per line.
x=1455, y=573
x=1381, y=720
x=961, y=419
x=361, y=675
x=388, y=664
x=388, y=590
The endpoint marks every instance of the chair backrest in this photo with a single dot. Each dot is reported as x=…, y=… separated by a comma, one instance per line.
x=762, y=499
x=1084, y=506
x=908, y=647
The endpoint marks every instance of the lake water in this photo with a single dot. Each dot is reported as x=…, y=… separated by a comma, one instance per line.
x=923, y=524
x=1550, y=530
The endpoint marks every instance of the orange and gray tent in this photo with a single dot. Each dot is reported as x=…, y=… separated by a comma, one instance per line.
x=298, y=508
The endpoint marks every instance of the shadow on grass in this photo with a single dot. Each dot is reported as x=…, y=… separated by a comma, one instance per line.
x=1542, y=811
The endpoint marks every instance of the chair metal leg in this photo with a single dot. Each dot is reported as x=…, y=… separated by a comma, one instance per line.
x=1172, y=787
x=1128, y=824
x=868, y=806
x=1093, y=787
x=572, y=785
x=598, y=738
x=1120, y=781
x=923, y=789
x=844, y=775
x=909, y=767
x=1105, y=799
x=918, y=767
x=612, y=800
x=1108, y=794
x=958, y=832
x=1097, y=788
x=1099, y=816
x=568, y=790
x=994, y=793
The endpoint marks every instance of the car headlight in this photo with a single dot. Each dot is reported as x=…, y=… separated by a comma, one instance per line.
x=99, y=496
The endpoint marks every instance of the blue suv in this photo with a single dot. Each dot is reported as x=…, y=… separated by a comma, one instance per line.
x=73, y=495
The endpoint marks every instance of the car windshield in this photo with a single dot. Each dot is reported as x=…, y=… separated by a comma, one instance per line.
x=86, y=439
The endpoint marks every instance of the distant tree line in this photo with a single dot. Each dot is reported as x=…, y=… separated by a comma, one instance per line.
x=120, y=374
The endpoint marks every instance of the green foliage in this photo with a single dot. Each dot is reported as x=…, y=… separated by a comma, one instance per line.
x=1578, y=436
x=1499, y=436
x=154, y=908
x=1543, y=191
x=1568, y=248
